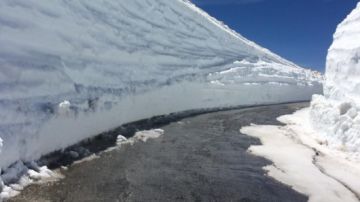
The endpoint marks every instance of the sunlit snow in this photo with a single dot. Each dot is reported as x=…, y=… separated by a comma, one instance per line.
x=73, y=69
x=317, y=152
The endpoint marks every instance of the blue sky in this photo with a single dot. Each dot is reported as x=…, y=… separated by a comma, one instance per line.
x=298, y=30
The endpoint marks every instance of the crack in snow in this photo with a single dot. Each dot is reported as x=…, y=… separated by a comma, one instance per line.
x=323, y=170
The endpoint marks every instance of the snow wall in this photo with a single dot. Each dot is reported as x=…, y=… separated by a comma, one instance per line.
x=336, y=114
x=70, y=70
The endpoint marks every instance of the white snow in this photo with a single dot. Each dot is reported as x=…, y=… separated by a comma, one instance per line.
x=18, y=176
x=308, y=171
x=265, y=73
x=72, y=69
x=317, y=152
x=335, y=116
x=24, y=176
x=336, y=162
x=64, y=108
x=143, y=136
x=343, y=60
x=148, y=134
x=337, y=122
x=120, y=139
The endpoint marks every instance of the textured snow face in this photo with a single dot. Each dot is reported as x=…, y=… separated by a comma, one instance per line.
x=260, y=72
x=336, y=116
x=343, y=60
x=72, y=69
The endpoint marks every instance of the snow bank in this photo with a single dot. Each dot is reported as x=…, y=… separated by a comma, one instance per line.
x=343, y=60
x=73, y=69
x=336, y=114
x=322, y=141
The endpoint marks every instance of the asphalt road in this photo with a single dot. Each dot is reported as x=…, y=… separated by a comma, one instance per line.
x=201, y=158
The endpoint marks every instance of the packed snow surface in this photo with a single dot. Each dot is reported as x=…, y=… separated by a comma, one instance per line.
x=304, y=164
x=73, y=69
x=336, y=115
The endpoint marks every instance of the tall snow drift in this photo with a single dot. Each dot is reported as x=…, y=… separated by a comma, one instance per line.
x=72, y=69
x=336, y=114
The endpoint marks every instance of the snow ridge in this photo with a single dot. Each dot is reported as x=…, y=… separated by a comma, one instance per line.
x=236, y=34
x=72, y=69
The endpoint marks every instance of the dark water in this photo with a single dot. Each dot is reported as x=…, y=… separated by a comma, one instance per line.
x=202, y=158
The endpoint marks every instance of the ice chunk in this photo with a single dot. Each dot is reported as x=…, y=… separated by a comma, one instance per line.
x=64, y=107
x=120, y=139
x=148, y=134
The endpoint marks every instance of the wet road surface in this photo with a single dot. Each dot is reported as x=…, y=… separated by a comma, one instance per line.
x=201, y=158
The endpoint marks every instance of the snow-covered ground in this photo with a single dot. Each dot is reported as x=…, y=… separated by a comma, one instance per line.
x=302, y=167
x=317, y=152
x=73, y=69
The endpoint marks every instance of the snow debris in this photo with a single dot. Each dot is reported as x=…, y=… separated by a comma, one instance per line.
x=120, y=139
x=64, y=108
x=143, y=136
x=148, y=134
x=20, y=175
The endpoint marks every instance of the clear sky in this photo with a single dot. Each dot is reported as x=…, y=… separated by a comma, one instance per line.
x=298, y=30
